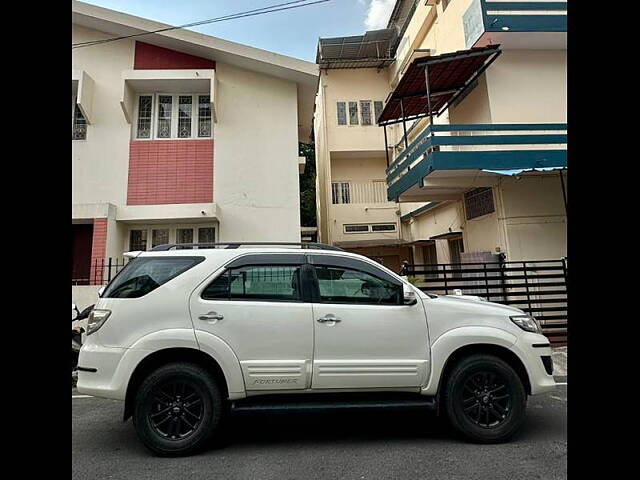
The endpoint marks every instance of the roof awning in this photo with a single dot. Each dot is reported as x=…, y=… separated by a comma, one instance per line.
x=373, y=49
x=445, y=236
x=449, y=76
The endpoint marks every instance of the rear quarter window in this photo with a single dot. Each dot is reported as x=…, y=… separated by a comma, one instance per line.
x=144, y=274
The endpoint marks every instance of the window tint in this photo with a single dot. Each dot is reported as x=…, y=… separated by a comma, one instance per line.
x=264, y=282
x=344, y=285
x=143, y=275
x=218, y=289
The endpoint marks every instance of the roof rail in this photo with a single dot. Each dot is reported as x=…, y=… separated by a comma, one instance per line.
x=180, y=246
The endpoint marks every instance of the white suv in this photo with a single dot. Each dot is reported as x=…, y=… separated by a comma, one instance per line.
x=185, y=336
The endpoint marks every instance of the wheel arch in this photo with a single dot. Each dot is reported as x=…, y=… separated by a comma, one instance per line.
x=164, y=357
x=503, y=353
x=459, y=343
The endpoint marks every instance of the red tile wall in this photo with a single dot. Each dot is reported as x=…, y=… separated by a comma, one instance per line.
x=170, y=171
x=151, y=57
x=98, y=250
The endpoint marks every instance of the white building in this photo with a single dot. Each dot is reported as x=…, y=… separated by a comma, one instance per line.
x=180, y=137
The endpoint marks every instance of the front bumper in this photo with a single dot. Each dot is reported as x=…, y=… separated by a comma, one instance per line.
x=529, y=347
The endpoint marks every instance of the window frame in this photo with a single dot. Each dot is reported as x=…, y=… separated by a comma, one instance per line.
x=175, y=108
x=340, y=194
x=172, y=227
x=335, y=261
x=371, y=113
x=75, y=109
x=264, y=260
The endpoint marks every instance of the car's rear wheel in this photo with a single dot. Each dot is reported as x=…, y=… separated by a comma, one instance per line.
x=485, y=399
x=177, y=408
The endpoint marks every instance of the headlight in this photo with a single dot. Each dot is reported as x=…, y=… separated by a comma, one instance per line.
x=526, y=323
x=96, y=320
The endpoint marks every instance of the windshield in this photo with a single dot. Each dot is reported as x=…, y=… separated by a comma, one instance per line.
x=144, y=274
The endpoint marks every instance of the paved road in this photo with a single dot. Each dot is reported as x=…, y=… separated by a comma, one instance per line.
x=393, y=445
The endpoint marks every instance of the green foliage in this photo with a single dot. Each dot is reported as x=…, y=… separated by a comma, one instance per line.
x=308, y=186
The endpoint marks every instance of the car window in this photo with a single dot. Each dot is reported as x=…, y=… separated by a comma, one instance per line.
x=258, y=282
x=144, y=274
x=345, y=285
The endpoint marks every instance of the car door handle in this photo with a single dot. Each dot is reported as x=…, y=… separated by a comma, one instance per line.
x=211, y=316
x=329, y=318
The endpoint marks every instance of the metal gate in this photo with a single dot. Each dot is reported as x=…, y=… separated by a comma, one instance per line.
x=537, y=287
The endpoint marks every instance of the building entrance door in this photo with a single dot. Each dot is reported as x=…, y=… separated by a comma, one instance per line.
x=81, y=240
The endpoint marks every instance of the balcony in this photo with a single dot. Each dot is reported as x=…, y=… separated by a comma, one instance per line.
x=440, y=163
x=530, y=24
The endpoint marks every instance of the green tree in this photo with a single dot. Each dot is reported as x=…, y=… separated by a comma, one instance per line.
x=308, y=186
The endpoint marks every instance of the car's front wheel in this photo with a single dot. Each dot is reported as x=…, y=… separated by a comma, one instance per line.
x=177, y=409
x=485, y=399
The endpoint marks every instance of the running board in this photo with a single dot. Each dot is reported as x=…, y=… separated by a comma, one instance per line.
x=324, y=402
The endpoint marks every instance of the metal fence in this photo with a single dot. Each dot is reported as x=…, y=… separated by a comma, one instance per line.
x=100, y=271
x=538, y=287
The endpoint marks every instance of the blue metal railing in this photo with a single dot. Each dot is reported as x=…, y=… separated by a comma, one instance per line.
x=430, y=142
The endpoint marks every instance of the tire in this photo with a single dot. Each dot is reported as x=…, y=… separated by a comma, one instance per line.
x=491, y=417
x=177, y=409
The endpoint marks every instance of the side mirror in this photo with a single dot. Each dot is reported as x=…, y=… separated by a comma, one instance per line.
x=409, y=296
x=74, y=312
x=101, y=291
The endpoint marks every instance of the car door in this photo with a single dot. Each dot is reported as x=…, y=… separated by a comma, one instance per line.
x=365, y=336
x=257, y=305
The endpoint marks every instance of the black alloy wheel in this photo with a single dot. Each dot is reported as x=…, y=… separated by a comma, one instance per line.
x=177, y=409
x=486, y=399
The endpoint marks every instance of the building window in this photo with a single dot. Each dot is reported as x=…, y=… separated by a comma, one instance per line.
x=384, y=227
x=144, y=116
x=159, y=237
x=184, y=235
x=365, y=111
x=478, y=202
x=370, y=228
x=79, y=124
x=340, y=192
x=378, y=107
x=342, y=113
x=353, y=113
x=204, y=116
x=356, y=228
x=137, y=240
x=207, y=235
x=185, y=111
x=143, y=237
x=165, y=116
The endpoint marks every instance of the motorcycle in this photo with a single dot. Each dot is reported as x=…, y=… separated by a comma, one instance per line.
x=76, y=335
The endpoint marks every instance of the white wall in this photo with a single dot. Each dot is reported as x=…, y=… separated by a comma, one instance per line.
x=84, y=295
x=256, y=183
x=535, y=220
x=100, y=163
x=528, y=86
